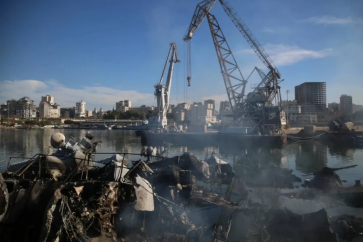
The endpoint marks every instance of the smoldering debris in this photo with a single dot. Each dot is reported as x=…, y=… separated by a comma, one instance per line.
x=68, y=196
x=348, y=228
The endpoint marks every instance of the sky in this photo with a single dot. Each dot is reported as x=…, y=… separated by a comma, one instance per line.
x=103, y=51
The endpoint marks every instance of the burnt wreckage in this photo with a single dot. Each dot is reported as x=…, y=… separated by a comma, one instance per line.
x=68, y=196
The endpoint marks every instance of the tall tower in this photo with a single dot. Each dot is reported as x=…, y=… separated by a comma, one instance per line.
x=81, y=109
x=346, y=104
x=311, y=94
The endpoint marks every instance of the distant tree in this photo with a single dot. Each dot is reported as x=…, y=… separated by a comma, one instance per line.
x=151, y=113
x=31, y=122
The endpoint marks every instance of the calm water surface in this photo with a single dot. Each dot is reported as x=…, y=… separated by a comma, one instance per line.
x=303, y=158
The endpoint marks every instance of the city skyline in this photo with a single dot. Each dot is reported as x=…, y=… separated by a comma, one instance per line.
x=75, y=50
x=216, y=103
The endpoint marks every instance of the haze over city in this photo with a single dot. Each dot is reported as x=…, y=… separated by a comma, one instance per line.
x=106, y=51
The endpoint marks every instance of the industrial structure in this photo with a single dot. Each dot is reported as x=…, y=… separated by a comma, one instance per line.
x=254, y=110
x=162, y=92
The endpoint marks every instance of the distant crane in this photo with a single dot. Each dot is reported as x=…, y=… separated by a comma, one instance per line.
x=252, y=110
x=162, y=92
x=287, y=94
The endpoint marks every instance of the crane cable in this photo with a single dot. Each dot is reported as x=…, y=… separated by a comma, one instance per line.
x=189, y=67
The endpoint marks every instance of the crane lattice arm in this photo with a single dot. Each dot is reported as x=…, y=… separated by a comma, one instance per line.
x=247, y=34
x=198, y=17
x=232, y=76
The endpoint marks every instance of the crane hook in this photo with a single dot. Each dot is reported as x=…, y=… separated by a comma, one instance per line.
x=189, y=80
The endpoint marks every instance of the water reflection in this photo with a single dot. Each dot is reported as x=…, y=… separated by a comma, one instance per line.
x=303, y=157
x=341, y=150
x=310, y=156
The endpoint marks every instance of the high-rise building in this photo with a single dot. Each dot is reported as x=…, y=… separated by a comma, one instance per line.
x=81, y=109
x=333, y=107
x=48, y=99
x=346, y=104
x=44, y=109
x=11, y=107
x=127, y=103
x=48, y=109
x=67, y=112
x=23, y=108
x=224, y=106
x=209, y=107
x=123, y=106
x=210, y=104
x=310, y=95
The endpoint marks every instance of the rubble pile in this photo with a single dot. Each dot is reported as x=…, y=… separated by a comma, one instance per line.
x=67, y=196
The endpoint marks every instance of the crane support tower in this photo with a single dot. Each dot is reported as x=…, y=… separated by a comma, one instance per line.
x=162, y=92
x=254, y=110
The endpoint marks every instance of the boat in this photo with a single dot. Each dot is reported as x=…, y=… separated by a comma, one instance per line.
x=139, y=132
x=103, y=127
x=136, y=127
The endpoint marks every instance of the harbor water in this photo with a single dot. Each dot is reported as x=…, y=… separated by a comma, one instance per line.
x=303, y=157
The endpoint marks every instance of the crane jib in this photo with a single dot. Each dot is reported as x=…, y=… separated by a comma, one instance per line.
x=265, y=91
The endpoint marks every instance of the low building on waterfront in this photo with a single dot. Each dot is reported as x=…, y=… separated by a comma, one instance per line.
x=143, y=108
x=303, y=118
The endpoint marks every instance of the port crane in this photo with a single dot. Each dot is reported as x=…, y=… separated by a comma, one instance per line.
x=162, y=92
x=254, y=109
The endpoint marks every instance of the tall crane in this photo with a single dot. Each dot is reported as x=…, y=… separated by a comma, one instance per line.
x=162, y=92
x=248, y=110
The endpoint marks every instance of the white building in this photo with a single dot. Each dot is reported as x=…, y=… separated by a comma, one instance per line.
x=48, y=109
x=123, y=106
x=89, y=113
x=227, y=117
x=291, y=107
x=81, y=109
x=303, y=118
x=54, y=111
x=143, y=108
x=48, y=99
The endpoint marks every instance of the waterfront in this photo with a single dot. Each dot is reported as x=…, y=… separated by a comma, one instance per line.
x=303, y=157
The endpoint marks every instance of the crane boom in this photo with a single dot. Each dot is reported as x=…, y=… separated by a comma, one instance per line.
x=162, y=92
x=229, y=68
x=247, y=34
x=199, y=14
x=253, y=108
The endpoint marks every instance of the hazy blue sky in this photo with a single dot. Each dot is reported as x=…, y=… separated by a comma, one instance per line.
x=103, y=51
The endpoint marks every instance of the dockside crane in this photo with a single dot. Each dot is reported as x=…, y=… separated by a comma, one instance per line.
x=162, y=92
x=252, y=110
